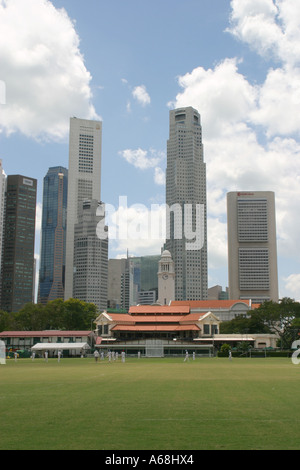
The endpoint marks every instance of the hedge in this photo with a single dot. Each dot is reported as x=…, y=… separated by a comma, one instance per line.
x=286, y=353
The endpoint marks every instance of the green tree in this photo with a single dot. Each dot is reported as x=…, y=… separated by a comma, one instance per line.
x=30, y=318
x=241, y=324
x=225, y=348
x=281, y=318
x=290, y=319
x=55, y=315
x=6, y=321
x=244, y=347
x=79, y=315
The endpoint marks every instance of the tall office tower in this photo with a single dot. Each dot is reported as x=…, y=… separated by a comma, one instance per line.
x=53, y=245
x=84, y=181
x=2, y=207
x=18, y=243
x=91, y=256
x=116, y=271
x=252, y=248
x=129, y=290
x=186, y=200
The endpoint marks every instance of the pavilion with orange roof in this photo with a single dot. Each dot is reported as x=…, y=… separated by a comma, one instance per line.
x=157, y=328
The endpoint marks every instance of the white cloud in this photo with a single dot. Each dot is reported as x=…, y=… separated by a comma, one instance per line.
x=217, y=247
x=44, y=71
x=2, y=92
x=140, y=158
x=270, y=28
x=38, y=218
x=279, y=101
x=254, y=22
x=292, y=285
x=145, y=160
x=222, y=95
x=160, y=176
x=141, y=95
x=128, y=107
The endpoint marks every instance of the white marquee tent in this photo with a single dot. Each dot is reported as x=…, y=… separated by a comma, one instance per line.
x=60, y=346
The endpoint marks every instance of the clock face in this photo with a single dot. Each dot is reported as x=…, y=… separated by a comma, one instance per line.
x=165, y=277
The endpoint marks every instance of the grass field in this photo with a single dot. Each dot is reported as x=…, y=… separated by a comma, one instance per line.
x=150, y=404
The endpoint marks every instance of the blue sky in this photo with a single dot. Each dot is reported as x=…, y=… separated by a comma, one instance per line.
x=128, y=63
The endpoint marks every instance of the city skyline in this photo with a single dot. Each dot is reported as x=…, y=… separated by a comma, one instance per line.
x=237, y=64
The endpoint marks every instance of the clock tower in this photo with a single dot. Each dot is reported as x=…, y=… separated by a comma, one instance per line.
x=166, y=279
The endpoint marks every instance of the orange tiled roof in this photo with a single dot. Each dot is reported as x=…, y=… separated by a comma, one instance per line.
x=158, y=319
x=188, y=328
x=192, y=317
x=155, y=328
x=121, y=317
x=134, y=319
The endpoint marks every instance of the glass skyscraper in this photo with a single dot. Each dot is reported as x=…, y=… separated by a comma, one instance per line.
x=53, y=233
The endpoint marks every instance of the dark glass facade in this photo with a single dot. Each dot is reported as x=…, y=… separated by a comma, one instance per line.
x=18, y=243
x=53, y=234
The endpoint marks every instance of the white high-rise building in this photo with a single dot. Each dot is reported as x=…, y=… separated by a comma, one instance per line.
x=186, y=200
x=252, y=246
x=91, y=256
x=84, y=181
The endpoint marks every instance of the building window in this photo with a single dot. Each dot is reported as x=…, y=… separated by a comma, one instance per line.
x=206, y=329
